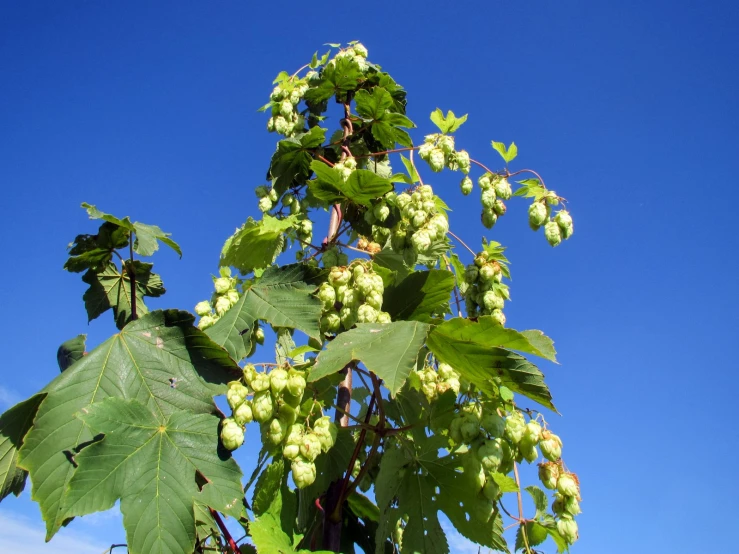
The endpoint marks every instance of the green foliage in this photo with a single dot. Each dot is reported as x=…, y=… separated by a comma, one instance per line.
x=437, y=422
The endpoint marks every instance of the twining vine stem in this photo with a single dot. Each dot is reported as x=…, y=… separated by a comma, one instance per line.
x=132, y=279
x=231, y=543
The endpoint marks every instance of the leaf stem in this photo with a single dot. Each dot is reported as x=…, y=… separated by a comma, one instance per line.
x=132, y=279
x=222, y=526
x=520, y=509
x=456, y=287
x=462, y=243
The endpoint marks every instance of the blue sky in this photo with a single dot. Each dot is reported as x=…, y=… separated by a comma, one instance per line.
x=628, y=109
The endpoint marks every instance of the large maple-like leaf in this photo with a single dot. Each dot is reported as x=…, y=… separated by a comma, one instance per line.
x=111, y=288
x=158, y=466
x=14, y=424
x=280, y=297
x=389, y=350
x=161, y=360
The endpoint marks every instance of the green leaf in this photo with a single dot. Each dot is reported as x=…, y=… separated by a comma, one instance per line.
x=268, y=486
x=363, y=507
x=373, y=104
x=506, y=483
x=96, y=251
x=474, y=349
x=535, y=535
x=412, y=173
x=328, y=183
x=389, y=350
x=71, y=351
x=112, y=289
x=512, y=152
x=291, y=161
x=420, y=296
x=14, y=424
x=256, y=244
x=531, y=188
x=557, y=538
x=146, y=235
x=336, y=79
x=267, y=534
x=155, y=464
x=447, y=124
x=364, y=186
x=506, y=153
x=487, y=333
x=541, y=500
x=281, y=298
x=161, y=360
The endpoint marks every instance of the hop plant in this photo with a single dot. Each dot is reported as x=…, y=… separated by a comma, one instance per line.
x=515, y=427
x=551, y=445
x=243, y=414
x=538, y=214
x=304, y=472
x=567, y=485
x=549, y=474
x=567, y=528
x=236, y=394
x=263, y=406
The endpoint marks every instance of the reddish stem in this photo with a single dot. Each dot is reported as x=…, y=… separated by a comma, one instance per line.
x=222, y=526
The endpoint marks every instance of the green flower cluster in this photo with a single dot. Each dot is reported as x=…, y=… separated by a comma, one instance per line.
x=284, y=100
x=225, y=296
x=421, y=223
x=494, y=189
x=483, y=290
x=352, y=294
x=566, y=503
x=436, y=381
x=556, y=229
x=356, y=52
x=302, y=445
x=438, y=151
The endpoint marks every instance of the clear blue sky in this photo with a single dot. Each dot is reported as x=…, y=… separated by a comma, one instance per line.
x=629, y=109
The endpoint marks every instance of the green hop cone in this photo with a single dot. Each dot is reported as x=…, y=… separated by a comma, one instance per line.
x=374, y=299
x=490, y=454
x=567, y=528
x=330, y=322
x=278, y=380
x=384, y=317
x=538, y=214
x=474, y=474
x=489, y=218
x=572, y=506
x=484, y=182
x=264, y=204
x=206, y=321
x=419, y=219
x=277, y=431
x=250, y=372
x=466, y=186
x=564, y=220
x=339, y=276
x=310, y=446
x=349, y=297
x=326, y=435
x=286, y=412
x=233, y=296
x=568, y=486
x=430, y=391
x=558, y=506
x=446, y=371
x=203, y=308
x=549, y=474
x=446, y=143
x=470, y=428
x=348, y=315
x=498, y=317
x=232, y=434
x=243, y=414
x=492, y=301
x=223, y=304
x=553, y=233
x=436, y=159
x=499, y=207
x=296, y=382
x=304, y=472
x=426, y=192
x=263, y=406
x=487, y=198
x=421, y=241
x=462, y=160
x=515, y=426
x=236, y=394
x=366, y=314
x=493, y=424
x=471, y=273
x=528, y=451
x=260, y=382
x=503, y=189
x=532, y=434
x=381, y=211
x=454, y=430
x=380, y=234
x=551, y=445
x=259, y=335
x=491, y=490
x=222, y=285
x=483, y=508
